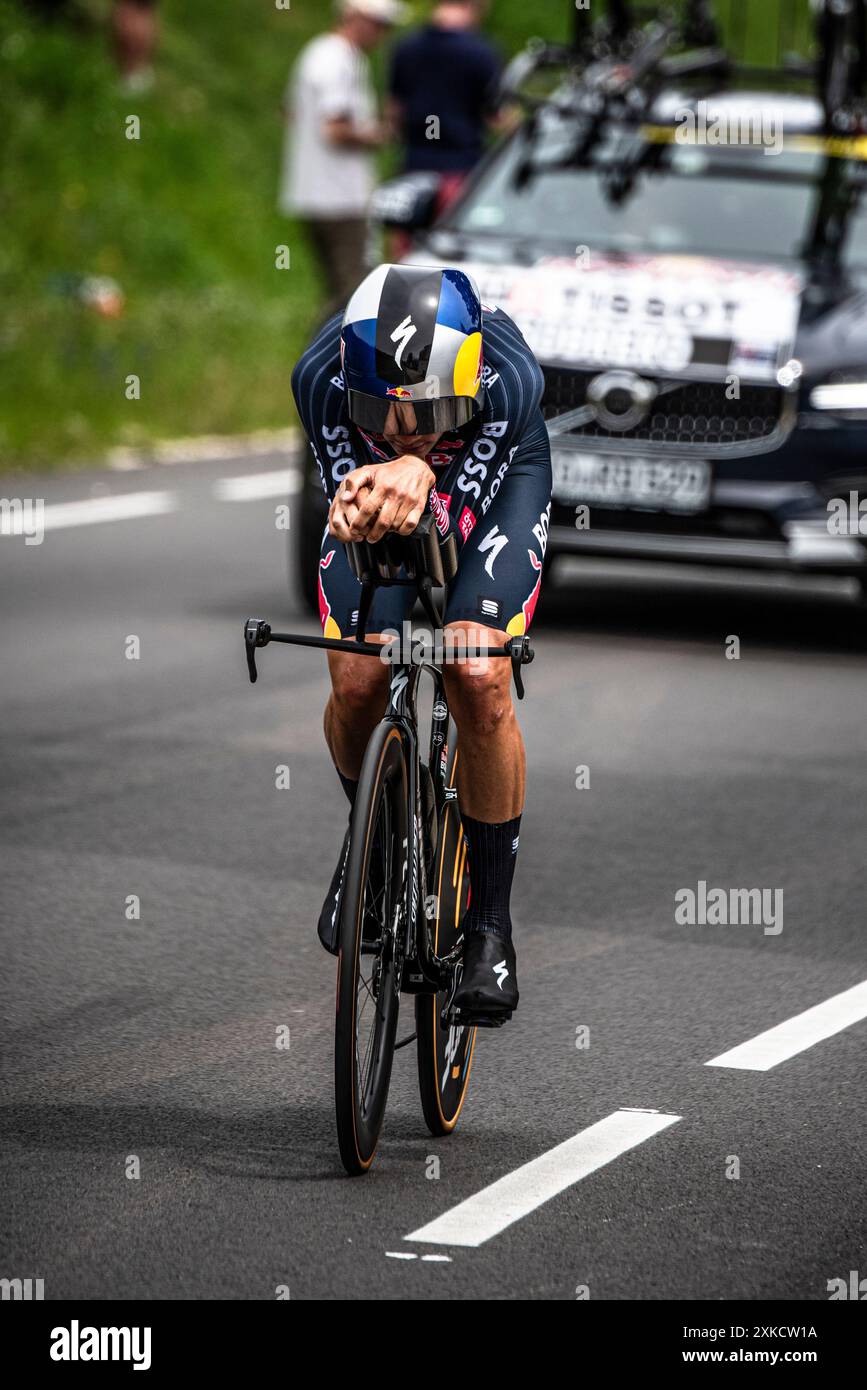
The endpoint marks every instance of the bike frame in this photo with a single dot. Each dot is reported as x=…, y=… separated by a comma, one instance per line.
x=422, y=966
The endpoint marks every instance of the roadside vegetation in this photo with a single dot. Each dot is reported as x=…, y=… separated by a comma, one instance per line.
x=155, y=257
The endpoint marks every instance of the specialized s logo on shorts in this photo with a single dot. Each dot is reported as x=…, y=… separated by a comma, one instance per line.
x=493, y=542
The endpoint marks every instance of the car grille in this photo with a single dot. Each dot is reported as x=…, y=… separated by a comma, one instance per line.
x=694, y=414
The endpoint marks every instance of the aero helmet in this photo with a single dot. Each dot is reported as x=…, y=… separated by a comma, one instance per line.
x=411, y=347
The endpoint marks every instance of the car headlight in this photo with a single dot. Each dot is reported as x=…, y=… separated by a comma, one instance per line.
x=840, y=396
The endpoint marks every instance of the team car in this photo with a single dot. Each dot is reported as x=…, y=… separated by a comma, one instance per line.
x=683, y=244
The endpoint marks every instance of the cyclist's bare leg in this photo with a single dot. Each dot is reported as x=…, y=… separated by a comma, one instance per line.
x=358, y=692
x=355, y=706
x=492, y=763
x=491, y=772
x=491, y=768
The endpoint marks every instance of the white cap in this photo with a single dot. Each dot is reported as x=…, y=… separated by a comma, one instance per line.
x=386, y=11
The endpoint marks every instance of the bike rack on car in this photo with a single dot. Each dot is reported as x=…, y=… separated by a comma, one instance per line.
x=618, y=62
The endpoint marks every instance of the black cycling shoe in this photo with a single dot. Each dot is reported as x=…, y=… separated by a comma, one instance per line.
x=328, y=926
x=487, y=992
x=329, y=917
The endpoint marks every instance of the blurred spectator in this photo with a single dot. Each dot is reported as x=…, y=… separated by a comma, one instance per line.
x=443, y=93
x=333, y=129
x=134, y=32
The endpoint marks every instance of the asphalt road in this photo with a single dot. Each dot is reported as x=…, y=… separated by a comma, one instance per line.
x=157, y=1143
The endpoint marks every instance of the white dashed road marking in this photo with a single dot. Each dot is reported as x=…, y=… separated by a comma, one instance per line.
x=250, y=487
x=490, y=1211
x=778, y=1044
x=130, y=506
x=408, y=1255
x=125, y=506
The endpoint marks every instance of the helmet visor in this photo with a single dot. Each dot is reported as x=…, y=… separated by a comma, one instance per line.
x=383, y=415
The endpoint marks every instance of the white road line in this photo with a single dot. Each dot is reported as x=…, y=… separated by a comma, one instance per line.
x=55, y=516
x=248, y=487
x=490, y=1211
x=778, y=1044
x=405, y=1255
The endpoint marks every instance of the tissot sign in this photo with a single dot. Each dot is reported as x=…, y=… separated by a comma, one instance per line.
x=686, y=316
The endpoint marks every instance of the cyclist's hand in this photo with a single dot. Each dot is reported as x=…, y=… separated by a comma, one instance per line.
x=344, y=507
x=394, y=502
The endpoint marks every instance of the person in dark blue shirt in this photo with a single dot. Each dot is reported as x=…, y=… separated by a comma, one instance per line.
x=443, y=93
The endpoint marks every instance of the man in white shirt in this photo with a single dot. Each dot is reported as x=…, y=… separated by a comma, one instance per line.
x=328, y=168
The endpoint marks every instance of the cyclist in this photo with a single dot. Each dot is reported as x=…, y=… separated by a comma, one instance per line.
x=420, y=399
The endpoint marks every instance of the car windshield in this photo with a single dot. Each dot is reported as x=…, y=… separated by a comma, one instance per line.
x=736, y=201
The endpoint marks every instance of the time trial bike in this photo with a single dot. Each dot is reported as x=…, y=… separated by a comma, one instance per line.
x=405, y=885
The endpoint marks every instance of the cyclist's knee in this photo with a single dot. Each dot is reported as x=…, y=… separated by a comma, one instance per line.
x=478, y=689
x=357, y=682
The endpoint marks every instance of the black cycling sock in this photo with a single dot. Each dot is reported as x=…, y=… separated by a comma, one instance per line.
x=348, y=786
x=351, y=789
x=491, y=853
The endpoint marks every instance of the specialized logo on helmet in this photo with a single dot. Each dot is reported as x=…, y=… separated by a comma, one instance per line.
x=402, y=335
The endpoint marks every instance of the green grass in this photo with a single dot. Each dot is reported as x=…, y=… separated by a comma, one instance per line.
x=184, y=219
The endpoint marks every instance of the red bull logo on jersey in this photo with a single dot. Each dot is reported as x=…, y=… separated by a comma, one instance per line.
x=329, y=626
x=401, y=392
x=517, y=626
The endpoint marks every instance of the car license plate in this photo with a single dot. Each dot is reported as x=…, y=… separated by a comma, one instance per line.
x=637, y=484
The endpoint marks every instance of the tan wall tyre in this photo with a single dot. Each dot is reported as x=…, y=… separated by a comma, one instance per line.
x=445, y=1055
x=368, y=975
